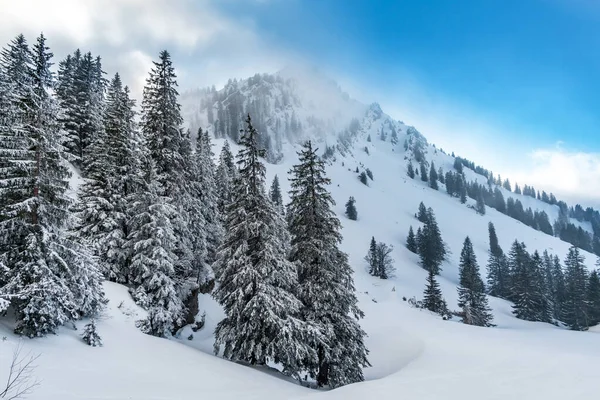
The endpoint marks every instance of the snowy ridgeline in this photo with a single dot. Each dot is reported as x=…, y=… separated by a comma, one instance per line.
x=165, y=221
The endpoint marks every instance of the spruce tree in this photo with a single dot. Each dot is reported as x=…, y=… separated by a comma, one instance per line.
x=593, y=298
x=371, y=257
x=574, y=307
x=498, y=272
x=209, y=236
x=411, y=241
x=326, y=287
x=90, y=334
x=530, y=297
x=480, y=205
x=152, y=270
x=351, y=212
x=559, y=292
x=432, y=297
x=225, y=175
x=471, y=296
x=424, y=176
x=256, y=285
x=432, y=249
x=410, y=171
x=433, y=178
x=54, y=276
x=169, y=147
x=275, y=194
x=422, y=214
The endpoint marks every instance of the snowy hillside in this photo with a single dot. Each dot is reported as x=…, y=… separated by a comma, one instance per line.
x=414, y=354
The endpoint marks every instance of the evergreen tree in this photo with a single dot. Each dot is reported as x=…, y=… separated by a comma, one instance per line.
x=112, y=175
x=498, y=272
x=433, y=178
x=54, y=276
x=424, y=176
x=480, y=205
x=410, y=171
x=471, y=296
x=411, y=241
x=351, y=212
x=559, y=292
x=90, y=334
x=170, y=151
x=363, y=178
x=433, y=299
x=381, y=262
x=593, y=298
x=152, y=270
x=575, y=310
x=432, y=249
x=371, y=257
x=326, y=286
x=207, y=194
x=463, y=190
x=256, y=284
x=529, y=291
x=225, y=175
x=275, y=195
x=422, y=215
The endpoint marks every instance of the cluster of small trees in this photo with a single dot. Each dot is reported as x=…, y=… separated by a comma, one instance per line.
x=432, y=251
x=380, y=259
x=541, y=288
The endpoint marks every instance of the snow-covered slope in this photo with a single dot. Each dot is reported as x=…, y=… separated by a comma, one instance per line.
x=414, y=354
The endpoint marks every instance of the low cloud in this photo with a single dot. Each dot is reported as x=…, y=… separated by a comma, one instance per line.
x=573, y=175
x=207, y=46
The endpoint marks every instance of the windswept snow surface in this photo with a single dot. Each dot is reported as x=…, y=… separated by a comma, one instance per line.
x=415, y=355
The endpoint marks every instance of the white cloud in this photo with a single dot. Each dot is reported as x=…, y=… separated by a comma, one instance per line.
x=574, y=175
x=207, y=46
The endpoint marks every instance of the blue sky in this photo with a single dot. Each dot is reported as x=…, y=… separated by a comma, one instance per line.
x=532, y=65
x=518, y=81
x=512, y=85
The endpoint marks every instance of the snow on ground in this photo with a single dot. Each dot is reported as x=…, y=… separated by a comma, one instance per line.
x=414, y=354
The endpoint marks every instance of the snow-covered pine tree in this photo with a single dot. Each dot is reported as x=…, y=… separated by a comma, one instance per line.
x=208, y=196
x=593, y=298
x=82, y=95
x=411, y=241
x=432, y=249
x=256, y=284
x=371, y=257
x=528, y=286
x=351, y=212
x=471, y=295
x=326, y=287
x=113, y=174
x=275, y=195
x=53, y=278
x=433, y=299
x=574, y=307
x=225, y=176
x=152, y=270
x=422, y=214
x=170, y=149
x=410, y=171
x=433, y=177
x=424, y=176
x=497, y=266
x=90, y=334
x=559, y=288
x=480, y=205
